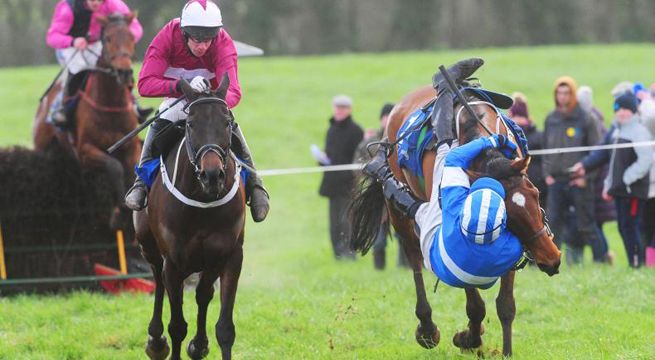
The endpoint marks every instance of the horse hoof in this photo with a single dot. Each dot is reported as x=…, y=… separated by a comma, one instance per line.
x=426, y=338
x=197, y=349
x=157, y=349
x=466, y=341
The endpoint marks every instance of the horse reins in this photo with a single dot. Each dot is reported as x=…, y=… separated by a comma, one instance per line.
x=195, y=156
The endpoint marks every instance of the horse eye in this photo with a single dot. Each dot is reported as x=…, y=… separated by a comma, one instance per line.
x=108, y=38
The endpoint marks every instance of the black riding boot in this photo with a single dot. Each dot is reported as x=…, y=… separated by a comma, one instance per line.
x=442, y=113
x=396, y=192
x=258, y=194
x=137, y=197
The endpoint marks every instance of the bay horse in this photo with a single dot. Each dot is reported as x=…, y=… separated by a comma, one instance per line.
x=526, y=221
x=104, y=113
x=185, y=229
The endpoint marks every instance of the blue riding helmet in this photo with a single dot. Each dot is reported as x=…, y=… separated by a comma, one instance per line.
x=484, y=216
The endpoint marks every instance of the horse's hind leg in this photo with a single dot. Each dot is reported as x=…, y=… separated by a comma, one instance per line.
x=471, y=338
x=427, y=334
x=506, y=308
x=199, y=346
x=225, y=333
x=177, y=327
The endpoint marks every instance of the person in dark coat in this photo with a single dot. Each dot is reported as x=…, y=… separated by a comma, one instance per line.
x=341, y=140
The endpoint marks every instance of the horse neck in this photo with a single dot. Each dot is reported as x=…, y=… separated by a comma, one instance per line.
x=106, y=91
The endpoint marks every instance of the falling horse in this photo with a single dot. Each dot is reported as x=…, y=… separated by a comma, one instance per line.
x=194, y=222
x=104, y=114
x=526, y=221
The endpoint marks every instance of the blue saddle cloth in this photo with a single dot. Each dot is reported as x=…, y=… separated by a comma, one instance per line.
x=416, y=134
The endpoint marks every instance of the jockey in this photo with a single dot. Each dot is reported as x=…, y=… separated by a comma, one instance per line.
x=75, y=35
x=196, y=48
x=467, y=244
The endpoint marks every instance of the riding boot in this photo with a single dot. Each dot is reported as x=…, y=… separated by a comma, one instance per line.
x=396, y=192
x=258, y=195
x=57, y=114
x=137, y=196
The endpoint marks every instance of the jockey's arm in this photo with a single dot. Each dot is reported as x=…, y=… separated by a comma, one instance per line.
x=62, y=20
x=226, y=61
x=152, y=82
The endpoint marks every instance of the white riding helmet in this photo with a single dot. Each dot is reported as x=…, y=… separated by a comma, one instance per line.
x=201, y=19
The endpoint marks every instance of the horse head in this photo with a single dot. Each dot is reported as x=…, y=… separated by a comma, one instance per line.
x=208, y=136
x=521, y=196
x=118, y=46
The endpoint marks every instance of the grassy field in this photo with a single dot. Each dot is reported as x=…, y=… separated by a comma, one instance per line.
x=294, y=300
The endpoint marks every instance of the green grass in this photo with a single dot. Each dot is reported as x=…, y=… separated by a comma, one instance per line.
x=294, y=301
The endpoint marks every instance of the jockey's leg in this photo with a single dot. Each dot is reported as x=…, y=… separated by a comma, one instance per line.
x=258, y=196
x=57, y=112
x=442, y=113
x=137, y=196
x=398, y=194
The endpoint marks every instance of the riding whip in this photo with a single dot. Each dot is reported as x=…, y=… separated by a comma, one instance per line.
x=461, y=98
x=145, y=124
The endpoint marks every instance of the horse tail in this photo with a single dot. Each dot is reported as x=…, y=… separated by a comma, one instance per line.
x=365, y=212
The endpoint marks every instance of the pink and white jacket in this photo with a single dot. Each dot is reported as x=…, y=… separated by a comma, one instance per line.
x=59, y=37
x=168, y=59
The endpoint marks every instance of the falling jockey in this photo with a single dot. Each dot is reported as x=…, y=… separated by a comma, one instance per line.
x=74, y=33
x=194, y=47
x=463, y=228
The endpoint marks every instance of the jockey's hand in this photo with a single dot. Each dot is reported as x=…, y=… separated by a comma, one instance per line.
x=80, y=43
x=200, y=85
x=502, y=143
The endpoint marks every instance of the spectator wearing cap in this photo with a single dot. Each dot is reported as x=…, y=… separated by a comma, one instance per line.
x=362, y=156
x=519, y=113
x=604, y=211
x=342, y=138
x=628, y=179
x=568, y=125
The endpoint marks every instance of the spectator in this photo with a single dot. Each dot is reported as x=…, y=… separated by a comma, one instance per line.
x=519, y=113
x=341, y=140
x=621, y=88
x=628, y=180
x=604, y=211
x=566, y=126
x=362, y=155
x=647, y=114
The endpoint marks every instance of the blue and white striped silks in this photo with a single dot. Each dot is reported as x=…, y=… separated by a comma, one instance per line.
x=472, y=247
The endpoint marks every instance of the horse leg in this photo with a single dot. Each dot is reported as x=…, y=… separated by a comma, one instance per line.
x=198, y=348
x=506, y=308
x=93, y=157
x=177, y=327
x=427, y=333
x=475, y=310
x=229, y=280
x=156, y=348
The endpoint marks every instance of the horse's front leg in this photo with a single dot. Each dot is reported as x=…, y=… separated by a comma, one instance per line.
x=225, y=333
x=427, y=333
x=471, y=338
x=506, y=308
x=199, y=346
x=177, y=327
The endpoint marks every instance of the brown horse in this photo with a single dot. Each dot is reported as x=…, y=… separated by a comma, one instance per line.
x=525, y=222
x=104, y=114
x=179, y=237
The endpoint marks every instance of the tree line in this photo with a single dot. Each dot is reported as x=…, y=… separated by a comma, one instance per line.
x=288, y=27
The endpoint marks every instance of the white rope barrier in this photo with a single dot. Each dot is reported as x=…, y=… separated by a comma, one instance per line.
x=351, y=167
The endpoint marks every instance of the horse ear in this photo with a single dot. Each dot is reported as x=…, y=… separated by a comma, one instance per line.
x=521, y=165
x=187, y=90
x=131, y=16
x=221, y=92
x=102, y=20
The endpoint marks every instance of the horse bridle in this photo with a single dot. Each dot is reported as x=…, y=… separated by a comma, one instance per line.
x=196, y=155
x=544, y=230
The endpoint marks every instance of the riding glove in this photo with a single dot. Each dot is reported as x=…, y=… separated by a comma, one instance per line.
x=200, y=85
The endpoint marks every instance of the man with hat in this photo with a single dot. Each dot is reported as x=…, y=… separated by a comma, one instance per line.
x=341, y=140
x=628, y=179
